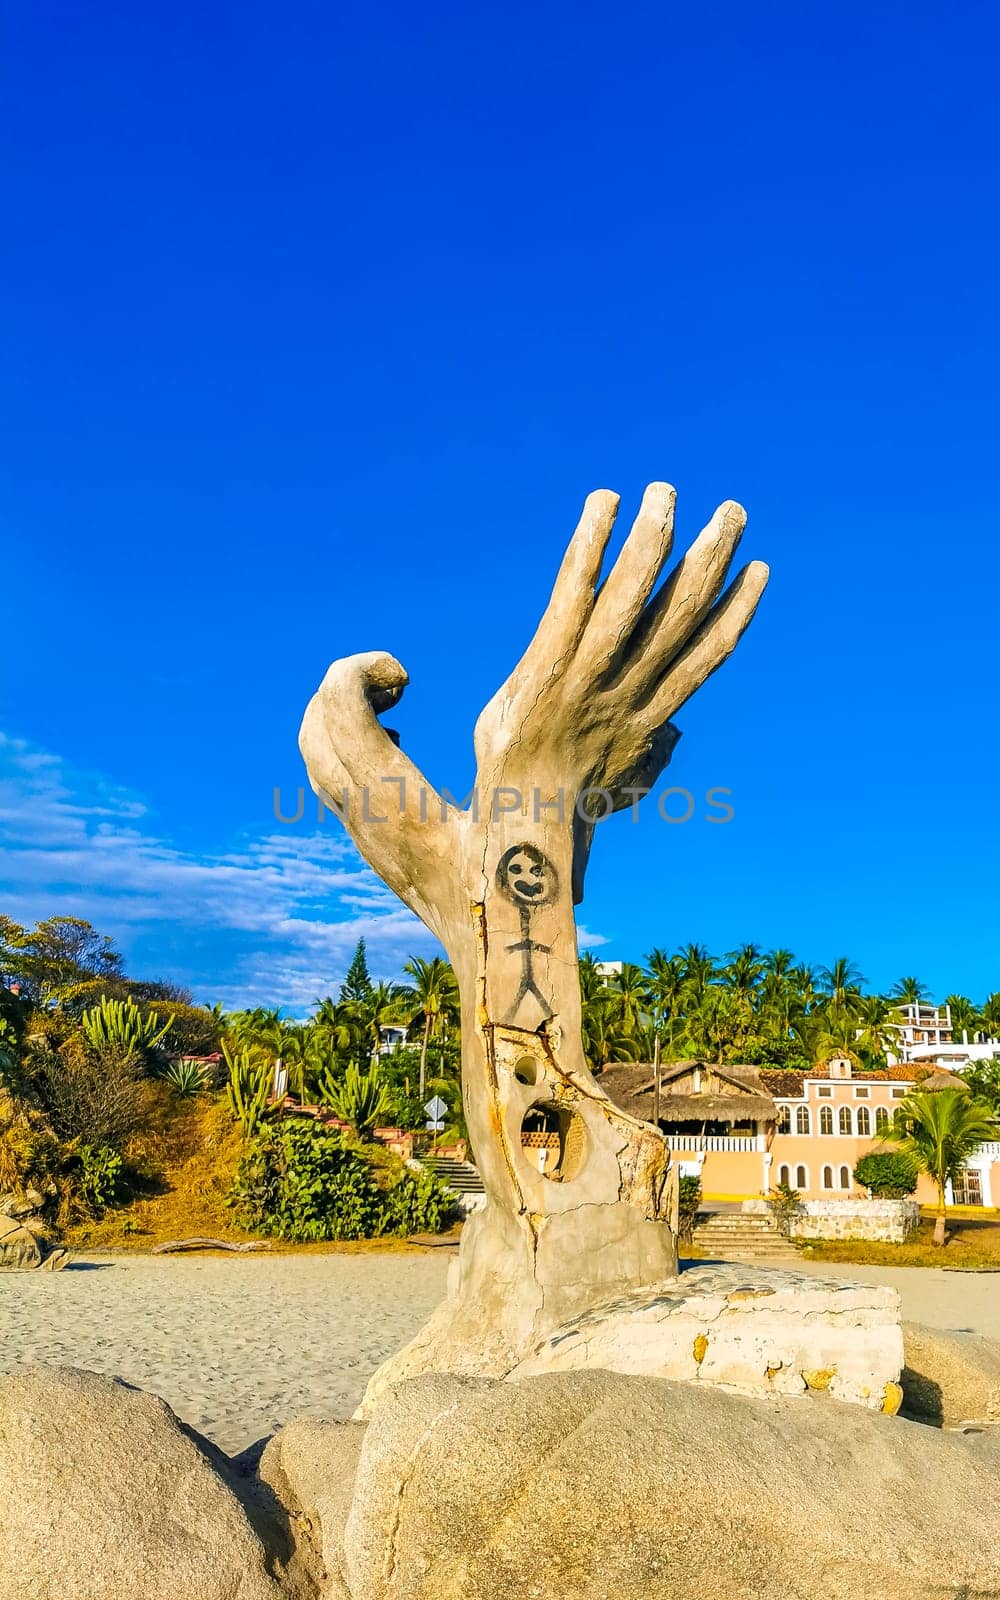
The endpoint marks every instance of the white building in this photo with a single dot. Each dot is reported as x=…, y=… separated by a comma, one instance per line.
x=926, y=1036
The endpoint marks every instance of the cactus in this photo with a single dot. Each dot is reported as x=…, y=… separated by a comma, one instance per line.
x=359, y=1098
x=119, y=1027
x=248, y=1090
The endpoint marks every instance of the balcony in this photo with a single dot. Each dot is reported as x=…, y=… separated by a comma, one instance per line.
x=745, y=1144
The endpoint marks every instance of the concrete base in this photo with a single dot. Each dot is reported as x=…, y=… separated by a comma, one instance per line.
x=758, y=1330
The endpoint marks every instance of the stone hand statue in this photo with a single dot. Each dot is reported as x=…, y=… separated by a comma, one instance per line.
x=581, y=727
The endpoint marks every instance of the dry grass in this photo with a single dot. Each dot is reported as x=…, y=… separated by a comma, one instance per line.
x=973, y=1245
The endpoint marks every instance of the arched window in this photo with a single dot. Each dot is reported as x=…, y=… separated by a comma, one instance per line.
x=827, y=1177
x=863, y=1117
x=784, y=1119
x=845, y=1177
x=845, y=1120
x=802, y=1120
x=785, y=1177
x=826, y=1120
x=801, y=1178
x=881, y=1119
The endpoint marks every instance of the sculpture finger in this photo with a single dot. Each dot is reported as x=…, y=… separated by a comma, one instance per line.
x=676, y=612
x=634, y=574
x=574, y=591
x=708, y=649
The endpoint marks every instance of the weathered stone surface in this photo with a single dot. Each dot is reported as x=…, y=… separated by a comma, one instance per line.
x=757, y=1329
x=950, y=1377
x=596, y=1486
x=105, y=1496
x=310, y=1467
x=581, y=726
x=886, y=1221
x=19, y=1249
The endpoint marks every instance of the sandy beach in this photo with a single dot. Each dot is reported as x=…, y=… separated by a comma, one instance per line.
x=239, y=1345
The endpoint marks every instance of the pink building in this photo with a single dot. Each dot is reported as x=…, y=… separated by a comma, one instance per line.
x=743, y=1130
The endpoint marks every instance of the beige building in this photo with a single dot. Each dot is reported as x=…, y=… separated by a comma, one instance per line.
x=743, y=1130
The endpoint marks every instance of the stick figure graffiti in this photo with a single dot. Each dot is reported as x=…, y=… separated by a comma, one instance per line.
x=528, y=878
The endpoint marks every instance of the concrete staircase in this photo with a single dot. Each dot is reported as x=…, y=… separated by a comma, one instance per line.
x=462, y=1178
x=739, y=1236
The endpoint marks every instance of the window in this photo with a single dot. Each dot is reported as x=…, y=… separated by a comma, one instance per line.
x=881, y=1119
x=826, y=1121
x=899, y=1094
x=802, y=1120
x=861, y=1092
x=784, y=1119
x=827, y=1177
x=785, y=1177
x=824, y=1091
x=864, y=1121
x=845, y=1120
x=801, y=1178
x=845, y=1178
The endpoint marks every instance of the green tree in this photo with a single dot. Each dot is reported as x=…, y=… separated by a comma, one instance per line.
x=965, y=1018
x=59, y=961
x=842, y=984
x=357, y=986
x=941, y=1129
x=909, y=991
x=432, y=1002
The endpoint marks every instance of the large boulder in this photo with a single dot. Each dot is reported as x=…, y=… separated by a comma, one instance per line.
x=310, y=1467
x=600, y=1486
x=949, y=1377
x=104, y=1495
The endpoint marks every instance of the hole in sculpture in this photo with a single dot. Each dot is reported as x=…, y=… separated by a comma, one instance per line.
x=526, y=1071
x=554, y=1140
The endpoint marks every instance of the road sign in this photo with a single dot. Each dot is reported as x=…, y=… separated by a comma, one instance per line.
x=435, y=1127
x=435, y=1108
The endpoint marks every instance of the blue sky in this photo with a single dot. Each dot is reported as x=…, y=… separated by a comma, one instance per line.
x=320, y=322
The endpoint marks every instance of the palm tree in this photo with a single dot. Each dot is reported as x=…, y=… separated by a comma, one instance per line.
x=965, y=1019
x=433, y=1001
x=909, y=991
x=842, y=983
x=384, y=1005
x=878, y=1025
x=698, y=968
x=836, y=1035
x=990, y=1016
x=665, y=987
x=941, y=1129
x=743, y=970
x=629, y=996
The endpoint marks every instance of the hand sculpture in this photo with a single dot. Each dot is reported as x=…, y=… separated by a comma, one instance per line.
x=581, y=726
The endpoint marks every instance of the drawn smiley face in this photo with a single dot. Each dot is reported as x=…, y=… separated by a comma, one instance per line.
x=526, y=876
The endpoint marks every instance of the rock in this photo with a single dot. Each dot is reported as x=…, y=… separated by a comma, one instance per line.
x=19, y=1249
x=310, y=1467
x=104, y=1495
x=950, y=1377
x=757, y=1329
x=598, y=1486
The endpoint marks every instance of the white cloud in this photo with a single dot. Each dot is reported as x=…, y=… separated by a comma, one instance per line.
x=272, y=921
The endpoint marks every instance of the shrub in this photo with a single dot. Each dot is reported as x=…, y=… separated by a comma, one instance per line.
x=299, y=1181
x=689, y=1195
x=889, y=1174
x=96, y=1102
x=99, y=1181
x=785, y=1204
x=29, y=1151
